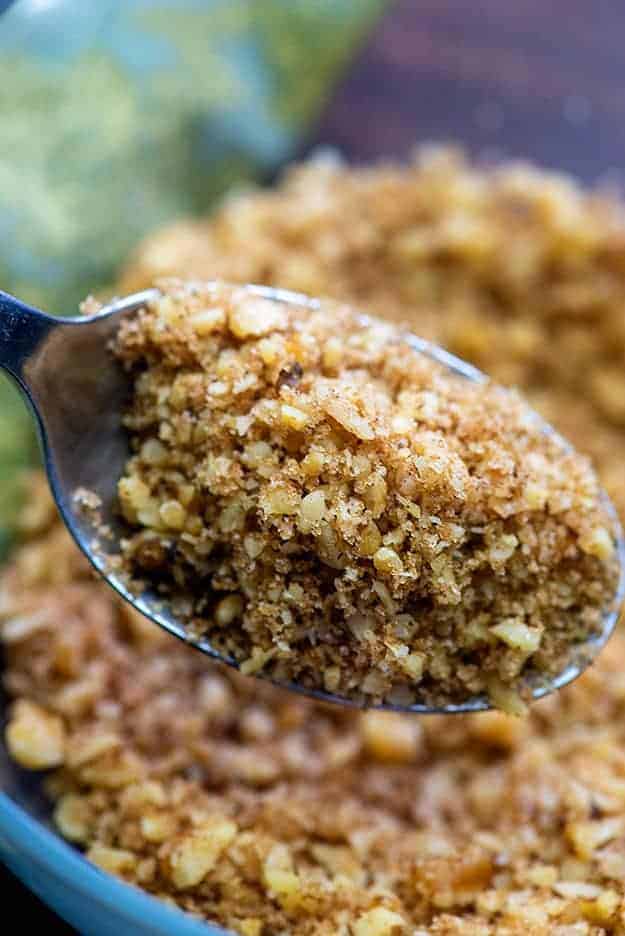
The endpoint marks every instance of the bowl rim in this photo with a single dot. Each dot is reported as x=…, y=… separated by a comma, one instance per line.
x=24, y=836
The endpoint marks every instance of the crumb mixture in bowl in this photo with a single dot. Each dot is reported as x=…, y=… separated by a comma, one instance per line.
x=332, y=507
x=271, y=814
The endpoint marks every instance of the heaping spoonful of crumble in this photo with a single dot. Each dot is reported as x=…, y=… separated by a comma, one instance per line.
x=320, y=498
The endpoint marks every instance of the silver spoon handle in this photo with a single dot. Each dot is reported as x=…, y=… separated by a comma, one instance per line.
x=22, y=328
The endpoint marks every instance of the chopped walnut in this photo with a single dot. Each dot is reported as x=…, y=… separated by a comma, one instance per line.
x=197, y=852
x=35, y=737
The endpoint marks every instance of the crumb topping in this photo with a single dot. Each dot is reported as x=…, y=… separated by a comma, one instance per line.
x=269, y=813
x=334, y=508
x=460, y=826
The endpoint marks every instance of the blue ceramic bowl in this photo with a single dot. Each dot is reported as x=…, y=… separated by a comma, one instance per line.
x=93, y=902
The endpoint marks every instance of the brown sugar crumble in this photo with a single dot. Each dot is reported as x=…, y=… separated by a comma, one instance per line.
x=333, y=508
x=271, y=814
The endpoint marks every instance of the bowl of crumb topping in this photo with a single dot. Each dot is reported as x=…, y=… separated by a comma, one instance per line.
x=257, y=812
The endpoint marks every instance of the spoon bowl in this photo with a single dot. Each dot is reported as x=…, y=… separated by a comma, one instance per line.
x=77, y=392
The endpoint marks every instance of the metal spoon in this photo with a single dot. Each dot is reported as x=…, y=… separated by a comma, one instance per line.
x=77, y=391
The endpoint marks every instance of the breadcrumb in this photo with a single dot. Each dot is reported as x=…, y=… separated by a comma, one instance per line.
x=373, y=574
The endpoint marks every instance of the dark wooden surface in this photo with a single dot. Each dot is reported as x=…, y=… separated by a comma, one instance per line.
x=539, y=79
x=543, y=79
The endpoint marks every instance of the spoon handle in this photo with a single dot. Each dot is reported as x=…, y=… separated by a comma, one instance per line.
x=22, y=328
